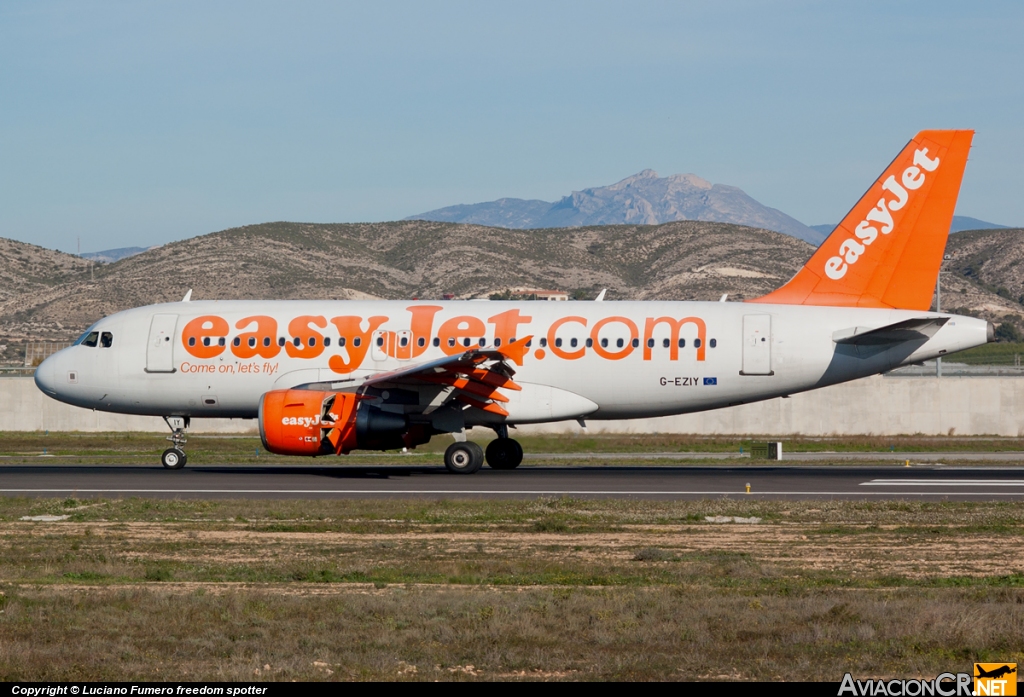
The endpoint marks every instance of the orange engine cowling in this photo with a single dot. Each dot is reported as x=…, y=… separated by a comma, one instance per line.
x=310, y=422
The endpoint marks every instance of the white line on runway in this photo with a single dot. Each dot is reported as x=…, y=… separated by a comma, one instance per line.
x=947, y=482
x=499, y=492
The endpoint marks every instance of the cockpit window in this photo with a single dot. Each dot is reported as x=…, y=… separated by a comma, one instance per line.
x=91, y=339
x=106, y=339
x=85, y=335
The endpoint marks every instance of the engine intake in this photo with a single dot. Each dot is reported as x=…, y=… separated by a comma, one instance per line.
x=309, y=422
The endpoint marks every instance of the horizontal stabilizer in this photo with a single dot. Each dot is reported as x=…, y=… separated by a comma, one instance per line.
x=907, y=330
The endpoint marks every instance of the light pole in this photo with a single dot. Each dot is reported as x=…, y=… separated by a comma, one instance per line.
x=938, y=306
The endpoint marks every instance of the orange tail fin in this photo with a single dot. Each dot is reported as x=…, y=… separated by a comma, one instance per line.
x=888, y=249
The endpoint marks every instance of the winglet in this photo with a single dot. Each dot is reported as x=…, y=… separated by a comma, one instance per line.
x=887, y=250
x=516, y=350
x=188, y=296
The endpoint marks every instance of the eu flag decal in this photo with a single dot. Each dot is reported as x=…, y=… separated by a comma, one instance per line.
x=710, y=381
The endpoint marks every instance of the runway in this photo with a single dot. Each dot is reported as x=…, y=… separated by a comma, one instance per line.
x=654, y=482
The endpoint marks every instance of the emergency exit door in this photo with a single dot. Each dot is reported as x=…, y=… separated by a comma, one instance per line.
x=757, y=345
x=160, y=347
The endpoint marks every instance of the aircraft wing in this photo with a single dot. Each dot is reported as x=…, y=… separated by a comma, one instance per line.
x=474, y=377
x=907, y=330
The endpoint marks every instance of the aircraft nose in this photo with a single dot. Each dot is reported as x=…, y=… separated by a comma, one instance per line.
x=46, y=376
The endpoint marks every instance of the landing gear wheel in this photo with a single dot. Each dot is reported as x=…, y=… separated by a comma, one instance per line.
x=463, y=458
x=504, y=454
x=174, y=459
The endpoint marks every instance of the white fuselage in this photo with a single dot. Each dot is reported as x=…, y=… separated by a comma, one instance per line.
x=595, y=361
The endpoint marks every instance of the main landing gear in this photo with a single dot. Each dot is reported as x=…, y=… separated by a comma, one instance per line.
x=503, y=453
x=174, y=458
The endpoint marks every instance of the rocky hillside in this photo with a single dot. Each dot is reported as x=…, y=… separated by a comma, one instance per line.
x=683, y=260
x=991, y=259
x=643, y=199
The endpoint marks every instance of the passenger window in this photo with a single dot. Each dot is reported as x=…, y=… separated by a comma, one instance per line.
x=529, y=343
x=106, y=339
x=573, y=342
x=682, y=343
x=558, y=342
x=403, y=342
x=713, y=343
x=650, y=343
x=696, y=343
x=341, y=341
x=191, y=341
x=280, y=341
x=380, y=341
x=666, y=343
x=356, y=341
x=206, y=341
x=311, y=341
x=266, y=341
x=451, y=341
x=590, y=342
x=635, y=343
x=437, y=341
x=421, y=342
x=297, y=341
x=483, y=341
x=619, y=343
x=465, y=342
x=604, y=343
x=543, y=342
x=252, y=342
x=497, y=342
x=91, y=340
x=237, y=341
x=221, y=341
x=327, y=341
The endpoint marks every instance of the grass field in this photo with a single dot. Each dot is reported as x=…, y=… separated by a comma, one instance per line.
x=145, y=448
x=543, y=589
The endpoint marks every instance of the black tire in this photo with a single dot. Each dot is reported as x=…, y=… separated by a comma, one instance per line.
x=463, y=458
x=504, y=454
x=174, y=458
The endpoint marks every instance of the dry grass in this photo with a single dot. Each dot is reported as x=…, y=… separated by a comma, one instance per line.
x=145, y=448
x=542, y=589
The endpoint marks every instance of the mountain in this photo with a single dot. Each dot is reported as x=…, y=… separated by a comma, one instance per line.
x=643, y=199
x=960, y=223
x=108, y=256
x=963, y=222
x=991, y=259
x=50, y=296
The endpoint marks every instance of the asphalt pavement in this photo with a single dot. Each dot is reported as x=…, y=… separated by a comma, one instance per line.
x=930, y=482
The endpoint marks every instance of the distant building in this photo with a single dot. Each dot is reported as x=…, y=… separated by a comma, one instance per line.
x=555, y=295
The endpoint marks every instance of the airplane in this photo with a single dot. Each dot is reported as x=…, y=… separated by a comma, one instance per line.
x=329, y=377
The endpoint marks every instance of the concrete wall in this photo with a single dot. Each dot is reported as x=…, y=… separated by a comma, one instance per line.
x=879, y=406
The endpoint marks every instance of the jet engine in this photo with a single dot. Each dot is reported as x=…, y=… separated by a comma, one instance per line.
x=310, y=422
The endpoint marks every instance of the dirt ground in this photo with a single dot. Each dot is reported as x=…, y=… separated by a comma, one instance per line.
x=550, y=589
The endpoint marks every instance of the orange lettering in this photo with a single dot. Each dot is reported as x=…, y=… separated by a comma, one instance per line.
x=506, y=325
x=421, y=326
x=262, y=341
x=675, y=326
x=201, y=337
x=357, y=342
x=310, y=342
x=613, y=355
x=567, y=355
x=457, y=328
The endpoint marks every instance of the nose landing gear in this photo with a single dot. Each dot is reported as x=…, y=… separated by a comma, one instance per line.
x=174, y=458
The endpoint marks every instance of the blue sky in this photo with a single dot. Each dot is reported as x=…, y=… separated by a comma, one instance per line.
x=127, y=123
